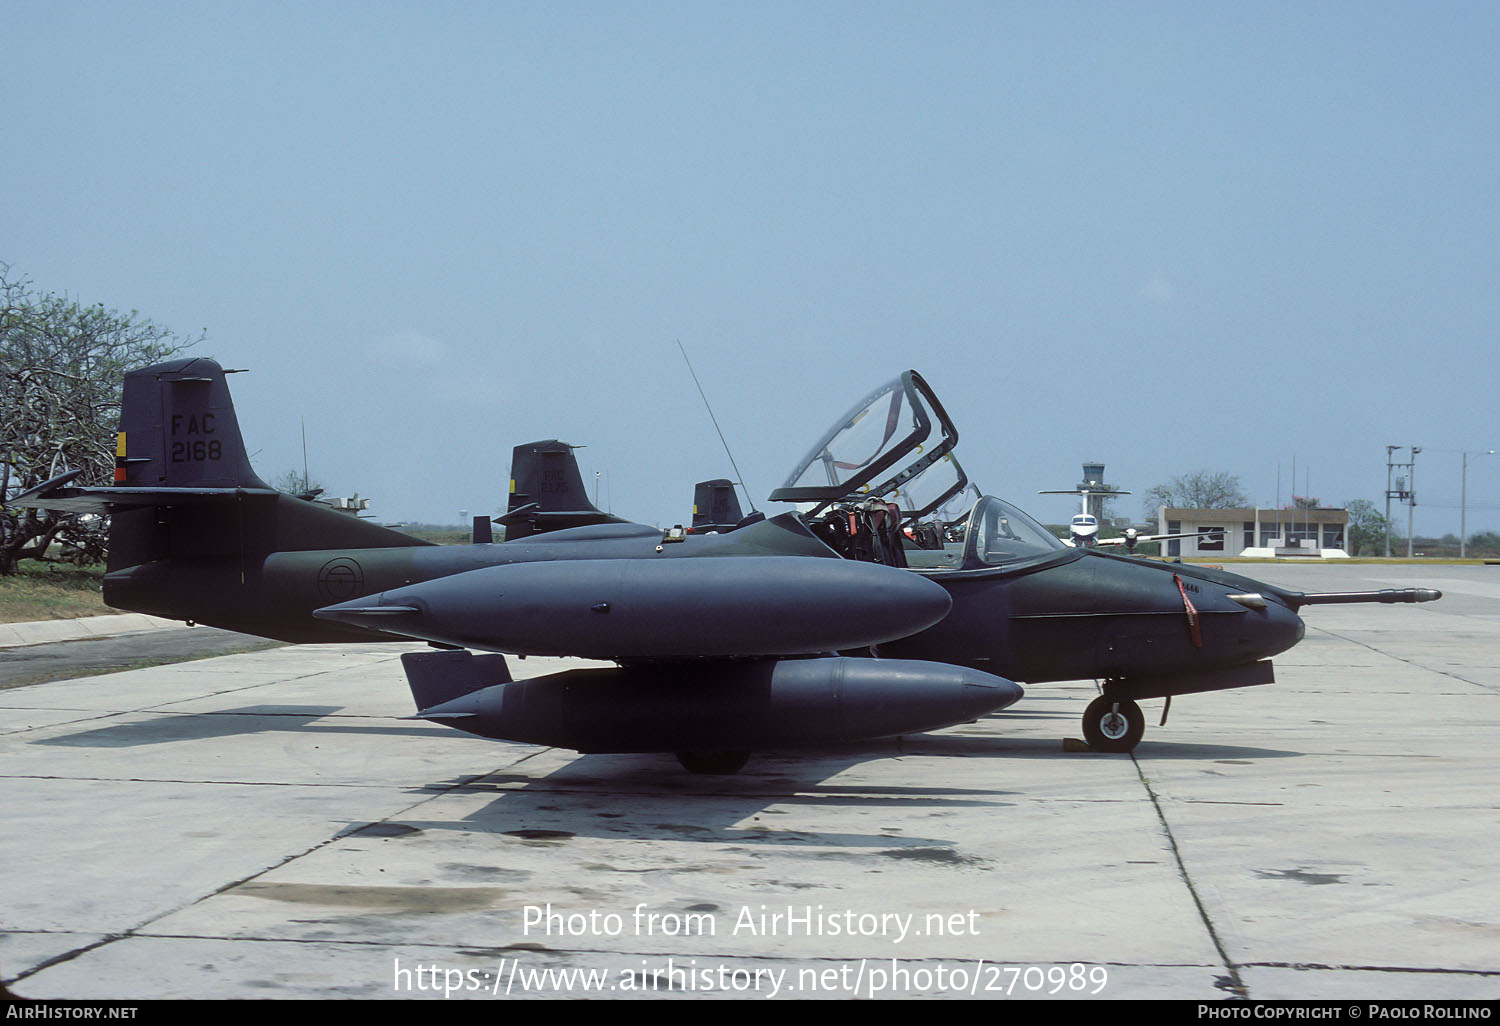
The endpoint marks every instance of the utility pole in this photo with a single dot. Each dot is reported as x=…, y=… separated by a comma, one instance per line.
x=1404, y=491
x=1411, y=502
x=1389, y=452
x=1463, y=504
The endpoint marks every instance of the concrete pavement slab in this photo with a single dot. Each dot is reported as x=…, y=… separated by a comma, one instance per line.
x=38, y=632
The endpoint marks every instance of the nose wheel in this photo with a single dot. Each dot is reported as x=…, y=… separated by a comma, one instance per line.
x=1113, y=724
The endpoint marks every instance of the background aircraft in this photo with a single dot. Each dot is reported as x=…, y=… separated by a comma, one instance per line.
x=1083, y=528
x=723, y=643
x=547, y=493
x=715, y=506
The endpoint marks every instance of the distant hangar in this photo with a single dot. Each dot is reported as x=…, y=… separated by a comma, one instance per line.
x=1263, y=533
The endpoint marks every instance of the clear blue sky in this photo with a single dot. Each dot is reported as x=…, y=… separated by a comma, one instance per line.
x=1166, y=236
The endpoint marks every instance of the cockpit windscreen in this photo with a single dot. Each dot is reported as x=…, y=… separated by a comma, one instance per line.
x=1000, y=533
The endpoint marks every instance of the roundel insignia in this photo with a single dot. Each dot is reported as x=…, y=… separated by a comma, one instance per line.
x=341, y=579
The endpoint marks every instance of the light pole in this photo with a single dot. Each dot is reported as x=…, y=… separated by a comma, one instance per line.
x=1463, y=504
x=1390, y=462
x=1411, y=502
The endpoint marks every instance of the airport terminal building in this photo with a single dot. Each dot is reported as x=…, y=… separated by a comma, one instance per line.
x=1264, y=533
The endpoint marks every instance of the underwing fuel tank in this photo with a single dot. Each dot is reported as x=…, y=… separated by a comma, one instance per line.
x=742, y=705
x=746, y=606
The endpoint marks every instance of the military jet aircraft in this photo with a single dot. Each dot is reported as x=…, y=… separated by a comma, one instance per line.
x=835, y=623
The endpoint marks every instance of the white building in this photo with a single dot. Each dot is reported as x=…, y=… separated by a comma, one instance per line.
x=1264, y=533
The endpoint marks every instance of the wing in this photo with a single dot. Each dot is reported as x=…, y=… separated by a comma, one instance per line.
x=1130, y=539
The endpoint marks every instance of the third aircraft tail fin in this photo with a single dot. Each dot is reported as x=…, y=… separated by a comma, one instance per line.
x=547, y=493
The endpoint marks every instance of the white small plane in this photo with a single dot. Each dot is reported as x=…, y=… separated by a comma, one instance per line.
x=1083, y=528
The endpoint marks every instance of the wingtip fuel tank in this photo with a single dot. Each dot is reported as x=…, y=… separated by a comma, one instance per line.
x=730, y=607
x=750, y=704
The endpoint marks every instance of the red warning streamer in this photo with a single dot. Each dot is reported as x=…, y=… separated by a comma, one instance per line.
x=1192, y=613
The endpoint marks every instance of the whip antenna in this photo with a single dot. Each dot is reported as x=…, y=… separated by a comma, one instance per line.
x=740, y=477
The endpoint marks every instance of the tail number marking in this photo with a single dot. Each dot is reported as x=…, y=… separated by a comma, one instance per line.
x=190, y=449
x=197, y=450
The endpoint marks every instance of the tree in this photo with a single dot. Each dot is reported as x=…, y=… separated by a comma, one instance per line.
x=1106, y=501
x=1484, y=541
x=297, y=482
x=1366, y=528
x=1202, y=489
x=62, y=367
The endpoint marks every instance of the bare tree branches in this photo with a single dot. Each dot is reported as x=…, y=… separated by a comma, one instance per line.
x=61, y=369
x=1202, y=489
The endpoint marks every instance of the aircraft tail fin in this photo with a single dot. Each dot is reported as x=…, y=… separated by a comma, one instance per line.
x=547, y=493
x=183, y=484
x=178, y=430
x=715, y=506
x=179, y=443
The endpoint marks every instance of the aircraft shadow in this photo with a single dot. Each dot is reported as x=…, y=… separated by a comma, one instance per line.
x=650, y=797
x=1052, y=748
x=250, y=719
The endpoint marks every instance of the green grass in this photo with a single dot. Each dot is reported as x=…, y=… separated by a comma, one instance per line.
x=439, y=535
x=50, y=591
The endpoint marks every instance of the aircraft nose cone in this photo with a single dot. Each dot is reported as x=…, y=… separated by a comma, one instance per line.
x=377, y=612
x=1277, y=629
x=924, y=602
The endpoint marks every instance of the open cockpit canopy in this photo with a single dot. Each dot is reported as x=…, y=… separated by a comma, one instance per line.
x=895, y=445
x=884, y=485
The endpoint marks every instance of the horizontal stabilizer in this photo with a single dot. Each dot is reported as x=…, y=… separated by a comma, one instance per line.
x=436, y=678
x=56, y=495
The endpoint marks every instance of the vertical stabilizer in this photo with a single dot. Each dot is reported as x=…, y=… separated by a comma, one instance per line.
x=715, y=506
x=178, y=430
x=546, y=492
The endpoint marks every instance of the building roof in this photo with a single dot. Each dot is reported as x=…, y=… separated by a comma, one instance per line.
x=1321, y=515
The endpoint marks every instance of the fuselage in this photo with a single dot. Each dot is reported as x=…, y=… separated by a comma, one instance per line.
x=1089, y=614
x=1059, y=614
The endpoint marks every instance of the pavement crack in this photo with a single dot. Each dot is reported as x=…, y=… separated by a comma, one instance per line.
x=1409, y=662
x=1416, y=969
x=1233, y=983
x=67, y=956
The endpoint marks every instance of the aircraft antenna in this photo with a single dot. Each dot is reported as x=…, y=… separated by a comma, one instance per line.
x=716, y=428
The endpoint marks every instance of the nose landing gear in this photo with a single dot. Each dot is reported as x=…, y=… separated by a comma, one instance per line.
x=1113, y=724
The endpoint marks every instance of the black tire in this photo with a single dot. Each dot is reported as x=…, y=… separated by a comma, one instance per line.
x=1113, y=724
x=720, y=764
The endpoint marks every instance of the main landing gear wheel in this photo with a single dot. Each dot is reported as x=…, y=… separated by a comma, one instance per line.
x=1113, y=724
x=716, y=763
